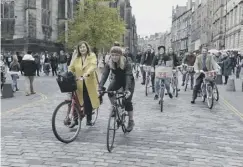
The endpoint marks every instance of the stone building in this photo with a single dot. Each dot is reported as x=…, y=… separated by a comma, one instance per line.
x=181, y=28
x=33, y=24
x=233, y=10
x=129, y=39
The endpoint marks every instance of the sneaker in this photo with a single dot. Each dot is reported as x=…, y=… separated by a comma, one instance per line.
x=170, y=95
x=89, y=123
x=130, y=126
x=193, y=102
x=156, y=97
x=27, y=94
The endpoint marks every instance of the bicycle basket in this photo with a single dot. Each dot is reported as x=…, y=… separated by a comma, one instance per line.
x=147, y=68
x=67, y=82
x=210, y=76
x=162, y=72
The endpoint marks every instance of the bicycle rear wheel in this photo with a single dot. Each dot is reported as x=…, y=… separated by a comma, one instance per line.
x=69, y=125
x=111, y=130
x=124, y=121
x=146, y=86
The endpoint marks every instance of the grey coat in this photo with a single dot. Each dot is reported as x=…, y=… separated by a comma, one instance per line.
x=227, y=67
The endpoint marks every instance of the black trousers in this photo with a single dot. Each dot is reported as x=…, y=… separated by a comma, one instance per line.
x=197, y=86
x=116, y=85
x=87, y=103
x=54, y=70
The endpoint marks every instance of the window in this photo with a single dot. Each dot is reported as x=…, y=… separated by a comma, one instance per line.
x=7, y=10
x=61, y=8
x=46, y=13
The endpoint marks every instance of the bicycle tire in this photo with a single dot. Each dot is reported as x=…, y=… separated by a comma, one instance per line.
x=210, y=106
x=124, y=125
x=217, y=92
x=146, y=87
x=96, y=114
x=162, y=100
x=54, y=129
x=186, y=84
x=112, y=115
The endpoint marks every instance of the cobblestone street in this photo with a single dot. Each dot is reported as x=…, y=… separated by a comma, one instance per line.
x=183, y=135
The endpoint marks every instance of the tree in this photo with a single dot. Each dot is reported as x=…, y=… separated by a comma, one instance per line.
x=96, y=23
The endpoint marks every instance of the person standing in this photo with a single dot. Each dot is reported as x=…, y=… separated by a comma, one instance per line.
x=62, y=60
x=15, y=67
x=227, y=68
x=28, y=66
x=54, y=63
x=38, y=63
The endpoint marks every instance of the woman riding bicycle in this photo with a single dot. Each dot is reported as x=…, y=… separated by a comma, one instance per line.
x=121, y=69
x=160, y=60
x=84, y=63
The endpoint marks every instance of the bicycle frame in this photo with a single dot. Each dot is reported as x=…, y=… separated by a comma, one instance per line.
x=162, y=89
x=74, y=102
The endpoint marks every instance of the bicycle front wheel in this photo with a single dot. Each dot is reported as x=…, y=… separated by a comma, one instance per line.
x=162, y=100
x=111, y=130
x=210, y=97
x=146, y=86
x=95, y=114
x=66, y=127
x=216, y=92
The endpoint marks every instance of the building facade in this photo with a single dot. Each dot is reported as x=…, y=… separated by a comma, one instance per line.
x=33, y=24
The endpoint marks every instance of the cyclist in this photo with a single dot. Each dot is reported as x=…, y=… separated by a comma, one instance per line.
x=189, y=60
x=121, y=69
x=174, y=58
x=160, y=60
x=204, y=62
x=147, y=59
x=84, y=63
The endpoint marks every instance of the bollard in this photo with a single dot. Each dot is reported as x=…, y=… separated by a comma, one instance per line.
x=7, y=91
x=219, y=79
x=230, y=85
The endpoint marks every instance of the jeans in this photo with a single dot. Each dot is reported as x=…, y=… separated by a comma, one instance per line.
x=29, y=84
x=158, y=84
x=62, y=67
x=14, y=83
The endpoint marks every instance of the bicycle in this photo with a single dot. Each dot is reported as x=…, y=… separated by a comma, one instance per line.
x=189, y=73
x=162, y=75
x=148, y=70
x=136, y=70
x=174, y=81
x=118, y=115
x=74, y=113
x=207, y=88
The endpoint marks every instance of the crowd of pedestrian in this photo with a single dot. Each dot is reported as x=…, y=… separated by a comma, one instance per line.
x=31, y=65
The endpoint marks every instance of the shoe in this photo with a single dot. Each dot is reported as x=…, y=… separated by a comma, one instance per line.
x=193, y=101
x=143, y=83
x=183, y=84
x=170, y=95
x=17, y=89
x=27, y=94
x=153, y=91
x=130, y=126
x=33, y=93
x=156, y=97
x=89, y=123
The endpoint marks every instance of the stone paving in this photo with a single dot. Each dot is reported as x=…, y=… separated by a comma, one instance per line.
x=183, y=136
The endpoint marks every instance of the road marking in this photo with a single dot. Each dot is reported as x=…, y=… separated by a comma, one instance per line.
x=43, y=98
x=232, y=108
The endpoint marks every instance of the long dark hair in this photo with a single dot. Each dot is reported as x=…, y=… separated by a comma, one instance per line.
x=87, y=46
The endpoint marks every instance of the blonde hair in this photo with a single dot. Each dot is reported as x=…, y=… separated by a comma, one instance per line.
x=121, y=62
x=15, y=59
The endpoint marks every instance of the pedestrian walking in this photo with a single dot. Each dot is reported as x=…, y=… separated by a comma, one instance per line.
x=15, y=67
x=47, y=64
x=227, y=67
x=54, y=63
x=42, y=60
x=62, y=60
x=28, y=66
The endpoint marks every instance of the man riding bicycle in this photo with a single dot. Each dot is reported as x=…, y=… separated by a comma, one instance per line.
x=204, y=62
x=147, y=59
x=160, y=60
x=121, y=70
x=189, y=60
